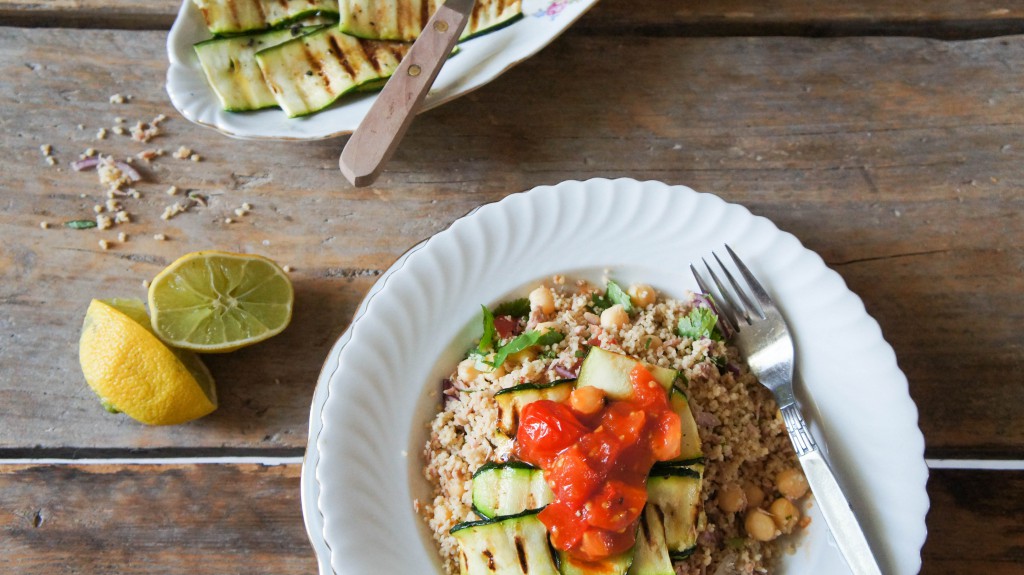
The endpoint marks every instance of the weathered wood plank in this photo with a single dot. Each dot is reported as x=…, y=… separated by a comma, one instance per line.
x=897, y=159
x=247, y=519
x=942, y=19
x=974, y=523
x=108, y=519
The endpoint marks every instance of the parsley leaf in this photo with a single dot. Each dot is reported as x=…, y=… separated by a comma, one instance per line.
x=515, y=308
x=599, y=303
x=524, y=341
x=487, y=339
x=617, y=296
x=700, y=322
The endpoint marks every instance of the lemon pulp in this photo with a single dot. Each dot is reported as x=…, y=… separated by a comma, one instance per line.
x=213, y=301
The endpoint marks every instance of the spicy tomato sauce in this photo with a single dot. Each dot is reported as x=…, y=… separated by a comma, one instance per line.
x=596, y=462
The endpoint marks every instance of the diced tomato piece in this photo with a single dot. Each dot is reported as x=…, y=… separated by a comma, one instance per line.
x=565, y=524
x=597, y=544
x=545, y=428
x=622, y=419
x=571, y=478
x=602, y=448
x=506, y=326
x=647, y=392
x=666, y=436
x=616, y=507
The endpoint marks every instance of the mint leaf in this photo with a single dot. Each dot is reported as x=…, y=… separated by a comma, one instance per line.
x=515, y=308
x=523, y=341
x=700, y=322
x=487, y=339
x=617, y=296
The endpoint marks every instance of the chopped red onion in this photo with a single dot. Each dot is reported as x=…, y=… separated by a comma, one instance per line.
x=564, y=371
x=85, y=164
x=128, y=170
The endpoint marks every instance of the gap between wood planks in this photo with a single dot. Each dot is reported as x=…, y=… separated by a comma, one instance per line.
x=271, y=461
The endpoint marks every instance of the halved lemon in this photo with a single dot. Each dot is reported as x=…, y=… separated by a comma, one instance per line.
x=215, y=302
x=134, y=372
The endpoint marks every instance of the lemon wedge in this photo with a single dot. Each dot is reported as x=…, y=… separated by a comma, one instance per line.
x=132, y=371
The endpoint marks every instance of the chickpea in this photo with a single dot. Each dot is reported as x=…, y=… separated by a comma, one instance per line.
x=760, y=525
x=614, y=316
x=467, y=370
x=642, y=295
x=791, y=483
x=650, y=342
x=546, y=326
x=755, y=495
x=494, y=372
x=586, y=400
x=542, y=299
x=731, y=498
x=520, y=357
x=785, y=514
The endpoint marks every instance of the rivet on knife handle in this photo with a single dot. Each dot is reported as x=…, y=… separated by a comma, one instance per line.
x=378, y=135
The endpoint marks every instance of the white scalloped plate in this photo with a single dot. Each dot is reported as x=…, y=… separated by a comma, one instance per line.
x=479, y=61
x=378, y=388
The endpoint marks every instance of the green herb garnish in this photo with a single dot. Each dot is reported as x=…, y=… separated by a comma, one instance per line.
x=523, y=341
x=617, y=296
x=700, y=322
x=599, y=303
x=487, y=339
x=80, y=224
x=515, y=308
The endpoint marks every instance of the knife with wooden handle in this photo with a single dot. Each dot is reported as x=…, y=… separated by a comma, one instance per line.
x=378, y=135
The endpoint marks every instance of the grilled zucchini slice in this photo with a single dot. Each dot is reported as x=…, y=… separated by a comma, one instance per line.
x=509, y=545
x=509, y=488
x=231, y=68
x=512, y=400
x=309, y=73
x=224, y=17
x=403, y=20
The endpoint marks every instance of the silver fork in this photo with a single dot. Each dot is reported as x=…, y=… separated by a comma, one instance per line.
x=754, y=324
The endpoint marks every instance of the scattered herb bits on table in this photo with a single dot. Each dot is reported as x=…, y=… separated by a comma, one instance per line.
x=303, y=55
x=596, y=429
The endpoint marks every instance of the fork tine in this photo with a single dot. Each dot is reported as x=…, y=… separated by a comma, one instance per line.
x=728, y=317
x=730, y=307
x=751, y=307
x=755, y=286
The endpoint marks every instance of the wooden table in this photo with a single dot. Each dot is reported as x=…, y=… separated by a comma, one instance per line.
x=886, y=136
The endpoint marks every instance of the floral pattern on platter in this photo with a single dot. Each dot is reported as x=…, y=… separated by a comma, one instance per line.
x=554, y=9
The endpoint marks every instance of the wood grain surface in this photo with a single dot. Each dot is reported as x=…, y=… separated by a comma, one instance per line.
x=894, y=155
x=939, y=19
x=897, y=159
x=246, y=519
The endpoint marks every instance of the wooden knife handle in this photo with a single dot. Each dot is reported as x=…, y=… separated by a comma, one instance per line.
x=378, y=135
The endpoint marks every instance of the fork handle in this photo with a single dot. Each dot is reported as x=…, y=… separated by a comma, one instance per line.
x=833, y=504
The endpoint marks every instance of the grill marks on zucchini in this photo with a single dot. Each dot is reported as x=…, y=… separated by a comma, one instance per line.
x=511, y=400
x=230, y=67
x=239, y=16
x=404, y=20
x=309, y=73
x=506, y=545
